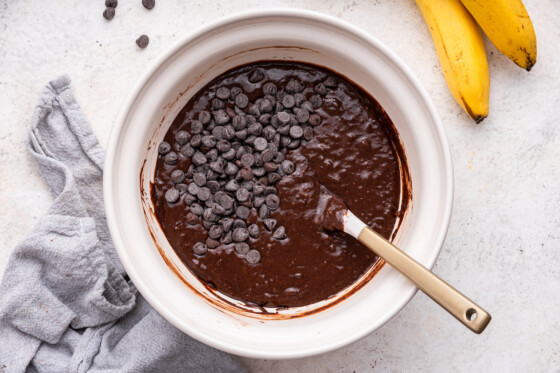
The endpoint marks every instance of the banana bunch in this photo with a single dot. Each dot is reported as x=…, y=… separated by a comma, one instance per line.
x=454, y=25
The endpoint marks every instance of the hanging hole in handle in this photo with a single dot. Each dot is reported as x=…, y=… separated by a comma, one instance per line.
x=471, y=314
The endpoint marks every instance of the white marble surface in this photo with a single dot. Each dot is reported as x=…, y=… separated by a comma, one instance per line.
x=503, y=246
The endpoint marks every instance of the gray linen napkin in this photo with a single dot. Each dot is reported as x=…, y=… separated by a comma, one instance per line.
x=65, y=301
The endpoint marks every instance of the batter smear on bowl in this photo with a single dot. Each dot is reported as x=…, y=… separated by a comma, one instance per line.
x=238, y=182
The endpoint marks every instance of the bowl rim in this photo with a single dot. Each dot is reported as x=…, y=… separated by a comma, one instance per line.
x=144, y=79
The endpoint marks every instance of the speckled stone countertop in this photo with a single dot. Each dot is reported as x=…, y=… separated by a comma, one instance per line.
x=503, y=245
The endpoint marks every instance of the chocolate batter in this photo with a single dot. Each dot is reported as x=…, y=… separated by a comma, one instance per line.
x=355, y=153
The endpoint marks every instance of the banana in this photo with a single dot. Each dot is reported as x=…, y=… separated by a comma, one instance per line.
x=508, y=26
x=461, y=52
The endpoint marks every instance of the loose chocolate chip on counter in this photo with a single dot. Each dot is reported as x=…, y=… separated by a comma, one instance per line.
x=199, y=248
x=279, y=233
x=256, y=76
x=253, y=230
x=164, y=148
x=149, y=4
x=269, y=224
x=172, y=195
x=111, y=3
x=253, y=257
x=109, y=13
x=170, y=158
x=240, y=234
x=142, y=41
x=177, y=176
x=296, y=132
x=288, y=167
x=192, y=219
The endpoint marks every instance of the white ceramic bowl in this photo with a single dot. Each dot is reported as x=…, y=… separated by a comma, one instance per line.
x=162, y=92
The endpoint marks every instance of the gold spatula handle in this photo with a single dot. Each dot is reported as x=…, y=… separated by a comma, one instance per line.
x=465, y=310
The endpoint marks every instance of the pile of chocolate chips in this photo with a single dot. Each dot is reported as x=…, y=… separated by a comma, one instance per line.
x=237, y=154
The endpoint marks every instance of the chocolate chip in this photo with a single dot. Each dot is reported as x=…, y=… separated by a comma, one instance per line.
x=279, y=158
x=226, y=224
x=253, y=257
x=241, y=100
x=231, y=169
x=217, y=167
x=223, y=93
x=316, y=101
x=242, y=248
x=242, y=135
x=270, y=190
x=203, y=194
x=164, y=148
x=238, y=223
x=272, y=201
x=258, y=171
x=288, y=101
x=269, y=224
x=296, y=132
x=279, y=233
x=246, y=173
x=193, y=189
x=273, y=177
x=314, y=120
x=258, y=189
x=149, y=4
x=207, y=224
x=199, y=248
x=170, y=158
x=177, y=176
x=299, y=98
x=182, y=188
x=242, y=212
x=188, y=199
x=231, y=186
x=192, y=219
x=256, y=76
x=111, y=3
x=269, y=88
x=234, y=91
x=172, y=195
x=270, y=167
x=265, y=118
x=285, y=141
x=199, y=159
x=307, y=105
x=182, y=137
x=242, y=194
x=212, y=243
x=229, y=132
x=253, y=230
x=294, y=86
x=288, y=167
x=247, y=160
x=308, y=133
x=283, y=117
x=218, y=209
x=196, y=209
x=240, y=234
x=209, y=215
x=263, y=212
x=254, y=110
x=255, y=129
x=331, y=82
x=196, y=127
x=258, y=202
x=213, y=185
x=229, y=155
x=320, y=89
x=227, y=238
x=204, y=117
x=109, y=14
x=294, y=144
x=302, y=115
x=265, y=106
x=218, y=104
x=216, y=231
x=284, y=130
x=260, y=143
x=221, y=117
x=223, y=146
x=142, y=41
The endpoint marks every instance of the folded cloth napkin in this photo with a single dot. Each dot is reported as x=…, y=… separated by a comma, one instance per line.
x=66, y=303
